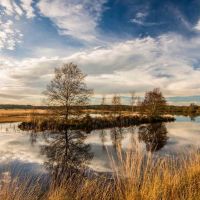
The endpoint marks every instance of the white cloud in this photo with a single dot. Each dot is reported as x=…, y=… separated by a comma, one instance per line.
x=9, y=36
x=17, y=9
x=197, y=27
x=78, y=19
x=141, y=15
x=8, y=6
x=12, y=8
x=28, y=8
x=10, y=11
x=140, y=19
x=170, y=62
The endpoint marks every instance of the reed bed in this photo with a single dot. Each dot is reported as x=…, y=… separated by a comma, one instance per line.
x=137, y=176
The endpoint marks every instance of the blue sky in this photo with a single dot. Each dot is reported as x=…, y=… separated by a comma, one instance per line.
x=123, y=46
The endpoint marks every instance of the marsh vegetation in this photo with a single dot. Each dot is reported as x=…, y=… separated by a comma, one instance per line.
x=137, y=178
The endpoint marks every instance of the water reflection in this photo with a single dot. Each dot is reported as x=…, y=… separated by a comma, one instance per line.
x=116, y=135
x=33, y=137
x=102, y=136
x=193, y=117
x=66, y=153
x=153, y=135
x=59, y=154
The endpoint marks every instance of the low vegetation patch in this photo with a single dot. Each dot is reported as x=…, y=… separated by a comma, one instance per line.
x=88, y=123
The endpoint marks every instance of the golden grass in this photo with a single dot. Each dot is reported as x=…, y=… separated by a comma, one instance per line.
x=137, y=177
x=21, y=111
x=154, y=179
x=18, y=115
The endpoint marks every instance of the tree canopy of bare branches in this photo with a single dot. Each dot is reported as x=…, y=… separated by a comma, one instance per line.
x=132, y=99
x=153, y=102
x=67, y=90
x=116, y=102
x=103, y=100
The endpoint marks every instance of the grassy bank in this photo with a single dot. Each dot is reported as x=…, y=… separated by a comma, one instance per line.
x=88, y=123
x=138, y=177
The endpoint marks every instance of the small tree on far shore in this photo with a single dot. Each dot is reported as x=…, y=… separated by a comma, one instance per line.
x=193, y=109
x=103, y=100
x=153, y=102
x=132, y=100
x=116, y=102
x=67, y=91
x=140, y=108
x=103, y=103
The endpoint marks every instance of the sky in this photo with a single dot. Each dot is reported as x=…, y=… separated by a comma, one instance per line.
x=122, y=45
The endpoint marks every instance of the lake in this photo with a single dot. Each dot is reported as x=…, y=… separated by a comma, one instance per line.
x=36, y=153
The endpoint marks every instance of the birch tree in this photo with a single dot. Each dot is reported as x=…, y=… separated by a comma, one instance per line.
x=68, y=91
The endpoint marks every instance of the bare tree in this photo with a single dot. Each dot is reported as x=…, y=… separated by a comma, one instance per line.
x=103, y=100
x=103, y=103
x=140, y=107
x=116, y=102
x=132, y=100
x=67, y=91
x=153, y=102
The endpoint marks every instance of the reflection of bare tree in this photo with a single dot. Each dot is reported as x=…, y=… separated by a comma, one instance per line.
x=154, y=136
x=102, y=136
x=33, y=137
x=132, y=130
x=116, y=137
x=66, y=153
x=193, y=118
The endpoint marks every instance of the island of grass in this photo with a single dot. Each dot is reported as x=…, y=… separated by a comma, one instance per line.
x=89, y=123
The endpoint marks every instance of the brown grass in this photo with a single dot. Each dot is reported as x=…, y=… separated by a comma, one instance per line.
x=18, y=115
x=24, y=115
x=138, y=177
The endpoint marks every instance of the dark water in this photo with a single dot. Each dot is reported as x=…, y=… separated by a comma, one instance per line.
x=39, y=153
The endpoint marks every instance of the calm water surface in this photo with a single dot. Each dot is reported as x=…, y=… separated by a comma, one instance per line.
x=37, y=153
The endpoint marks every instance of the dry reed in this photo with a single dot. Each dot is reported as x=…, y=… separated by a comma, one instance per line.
x=137, y=176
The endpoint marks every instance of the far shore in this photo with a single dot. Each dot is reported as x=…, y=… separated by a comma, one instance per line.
x=23, y=113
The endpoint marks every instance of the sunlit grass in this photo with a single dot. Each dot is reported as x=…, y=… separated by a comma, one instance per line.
x=17, y=115
x=137, y=177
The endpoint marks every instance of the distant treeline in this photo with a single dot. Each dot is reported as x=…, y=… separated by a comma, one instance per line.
x=192, y=109
x=13, y=106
